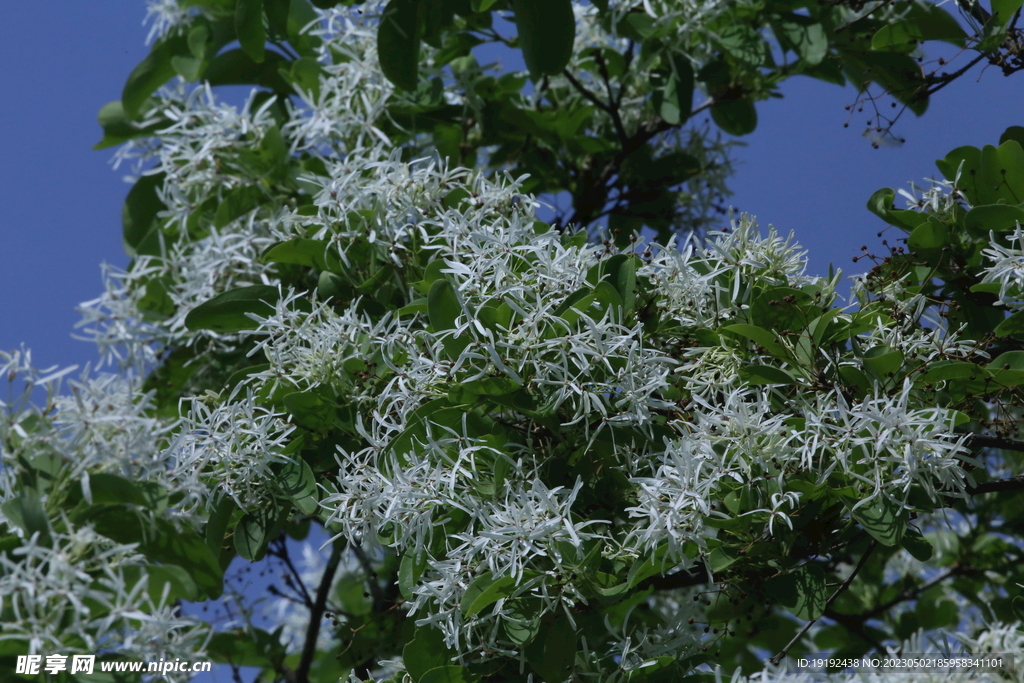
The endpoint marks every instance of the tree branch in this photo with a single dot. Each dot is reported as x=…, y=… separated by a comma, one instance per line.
x=282, y=553
x=981, y=441
x=843, y=586
x=316, y=615
x=908, y=594
x=1011, y=484
x=609, y=109
x=683, y=579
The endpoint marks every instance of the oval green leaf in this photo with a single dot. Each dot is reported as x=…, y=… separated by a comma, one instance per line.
x=249, y=28
x=398, y=42
x=228, y=312
x=547, y=29
x=735, y=117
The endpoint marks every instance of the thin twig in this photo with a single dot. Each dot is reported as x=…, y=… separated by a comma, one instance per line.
x=282, y=554
x=609, y=109
x=843, y=586
x=316, y=615
x=949, y=78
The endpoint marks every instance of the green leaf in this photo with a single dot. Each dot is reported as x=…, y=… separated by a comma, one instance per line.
x=151, y=73
x=880, y=204
x=1018, y=607
x=310, y=411
x=306, y=73
x=646, y=567
x=438, y=17
x=175, y=580
x=811, y=591
x=299, y=484
x=444, y=674
x=735, y=116
x=1013, y=133
x=302, y=252
x=249, y=27
x=898, y=73
x=409, y=572
x=621, y=274
x=806, y=37
x=922, y=23
x=553, y=652
x=425, y=652
x=677, y=95
x=997, y=218
x=765, y=374
x=744, y=42
x=27, y=512
x=118, y=128
x=277, y=18
x=227, y=312
x=947, y=370
x=721, y=559
x=217, y=525
x=238, y=648
x=783, y=588
x=495, y=590
x=141, y=206
x=1012, y=326
x=1003, y=10
x=917, y=545
x=188, y=68
x=398, y=41
x=238, y=202
x=474, y=590
x=882, y=519
x=110, y=488
x=547, y=29
x=251, y=536
x=235, y=67
x=443, y=307
x=1008, y=369
x=520, y=623
x=761, y=336
x=301, y=15
x=931, y=235
x=991, y=175
x=883, y=360
x=160, y=541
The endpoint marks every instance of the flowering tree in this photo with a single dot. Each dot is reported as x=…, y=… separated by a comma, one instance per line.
x=541, y=450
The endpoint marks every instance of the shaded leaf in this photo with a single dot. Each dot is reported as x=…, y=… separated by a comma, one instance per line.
x=547, y=29
x=228, y=312
x=811, y=592
x=398, y=40
x=917, y=545
x=151, y=73
x=299, y=484
x=249, y=28
x=765, y=374
x=141, y=206
x=735, y=116
x=251, y=536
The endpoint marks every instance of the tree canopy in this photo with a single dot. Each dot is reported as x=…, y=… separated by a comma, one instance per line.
x=622, y=443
